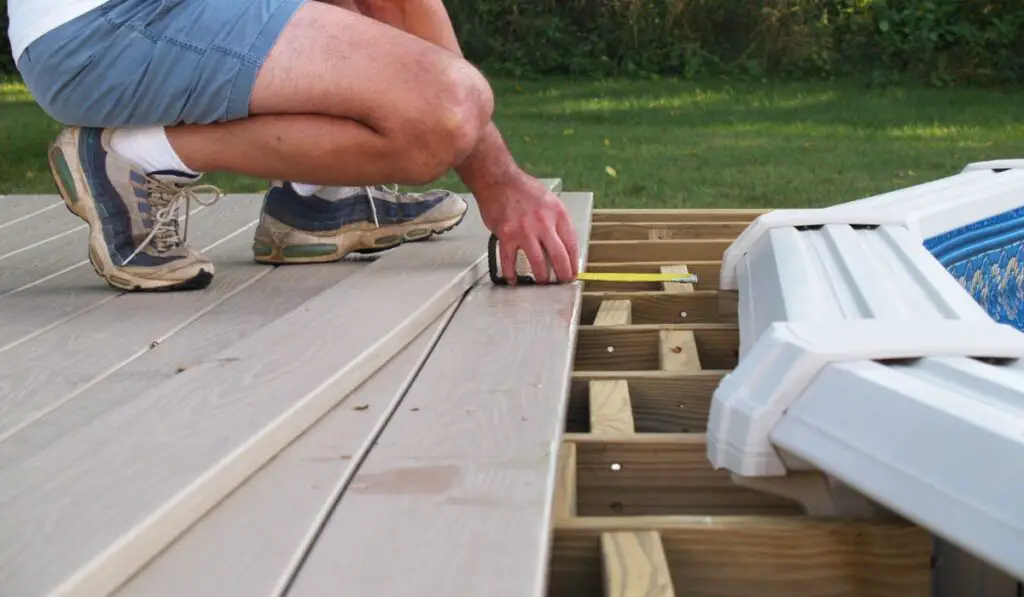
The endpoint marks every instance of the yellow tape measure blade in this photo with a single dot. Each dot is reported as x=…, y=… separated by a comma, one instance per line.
x=627, y=277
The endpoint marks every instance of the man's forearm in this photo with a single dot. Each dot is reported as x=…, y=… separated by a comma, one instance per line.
x=490, y=164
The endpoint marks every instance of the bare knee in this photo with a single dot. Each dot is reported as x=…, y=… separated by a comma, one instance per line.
x=453, y=114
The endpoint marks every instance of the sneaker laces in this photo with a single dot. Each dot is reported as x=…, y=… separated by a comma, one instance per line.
x=393, y=190
x=169, y=203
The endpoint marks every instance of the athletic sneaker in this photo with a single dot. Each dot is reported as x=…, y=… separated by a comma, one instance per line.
x=136, y=242
x=337, y=221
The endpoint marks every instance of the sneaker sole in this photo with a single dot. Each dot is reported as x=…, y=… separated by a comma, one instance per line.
x=408, y=233
x=101, y=263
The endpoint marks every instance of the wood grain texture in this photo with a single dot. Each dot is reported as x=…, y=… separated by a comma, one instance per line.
x=678, y=350
x=662, y=402
x=741, y=556
x=51, y=302
x=677, y=287
x=678, y=251
x=565, y=482
x=615, y=312
x=287, y=501
x=634, y=565
x=655, y=306
x=659, y=474
x=611, y=412
x=458, y=493
x=666, y=230
x=676, y=215
x=56, y=363
x=638, y=347
x=209, y=428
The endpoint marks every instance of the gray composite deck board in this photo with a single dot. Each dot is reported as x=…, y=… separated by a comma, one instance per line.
x=55, y=366
x=16, y=208
x=91, y=508
x=38, y=229
x=455, y=498
x=53, y=301
x=67, y=253
x=236, y=318
x=265, y=526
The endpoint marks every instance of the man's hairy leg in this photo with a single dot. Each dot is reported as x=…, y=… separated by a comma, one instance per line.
x=514, y=205
x=345, y=100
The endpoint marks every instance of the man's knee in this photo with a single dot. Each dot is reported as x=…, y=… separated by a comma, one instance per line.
x=453, y=116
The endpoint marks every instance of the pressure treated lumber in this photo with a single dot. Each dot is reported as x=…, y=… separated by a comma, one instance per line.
x=268, y=524
x=677, y=287
x=741, y=556
x=565, y=482
x=634, y=565
x=639, y=347
x=661, y=401
x=624, y=251
x=676, y=215
x=659, y=474
x=209, y=428
x=657, y=306
x=614, y=312
x=666, y=230
x=456, y=498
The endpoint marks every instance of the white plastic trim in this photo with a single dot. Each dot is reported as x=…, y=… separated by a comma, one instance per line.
x=791, y=218
x=994, y=165
x=837, y=272
x=938, y=441
x=926, y=210
x=787, y=358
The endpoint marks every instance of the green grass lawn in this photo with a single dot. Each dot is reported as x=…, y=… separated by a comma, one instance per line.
x=677, y=144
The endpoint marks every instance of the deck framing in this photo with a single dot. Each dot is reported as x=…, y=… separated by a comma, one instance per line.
x=640, y=511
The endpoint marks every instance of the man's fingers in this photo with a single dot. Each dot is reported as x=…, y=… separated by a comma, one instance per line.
x=507, y=251
x=567, y=234
x=558, y=255
x=538, y=262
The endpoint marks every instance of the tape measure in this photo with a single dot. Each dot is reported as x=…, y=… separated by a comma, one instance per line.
x=525, y=276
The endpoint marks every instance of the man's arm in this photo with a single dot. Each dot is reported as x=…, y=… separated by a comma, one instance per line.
x=515, y=206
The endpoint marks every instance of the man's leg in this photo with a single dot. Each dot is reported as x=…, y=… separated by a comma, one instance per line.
x=340, y=100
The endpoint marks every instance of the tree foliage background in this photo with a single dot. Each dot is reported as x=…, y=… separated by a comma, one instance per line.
x=938, y=42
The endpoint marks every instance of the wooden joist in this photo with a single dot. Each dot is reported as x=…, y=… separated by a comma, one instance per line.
x=665, y=230
x=626, y=251
x=657, y=306
x=743, y=556
x=639, y=347
x=676, y=215
x=652, y=517
x=634, y=565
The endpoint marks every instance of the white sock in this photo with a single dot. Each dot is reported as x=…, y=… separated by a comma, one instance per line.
x=148, y=147
x=306, y=190
x=325, y=192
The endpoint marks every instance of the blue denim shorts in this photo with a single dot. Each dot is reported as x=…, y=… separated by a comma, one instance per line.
x=155, y=62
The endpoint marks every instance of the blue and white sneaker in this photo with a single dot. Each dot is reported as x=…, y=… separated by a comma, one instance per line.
x=338, y=221
x=136, y=241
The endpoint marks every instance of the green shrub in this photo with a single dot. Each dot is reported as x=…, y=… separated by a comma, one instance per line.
x=940, y=42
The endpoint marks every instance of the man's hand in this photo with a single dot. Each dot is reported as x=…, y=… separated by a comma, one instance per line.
x=525, y=215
